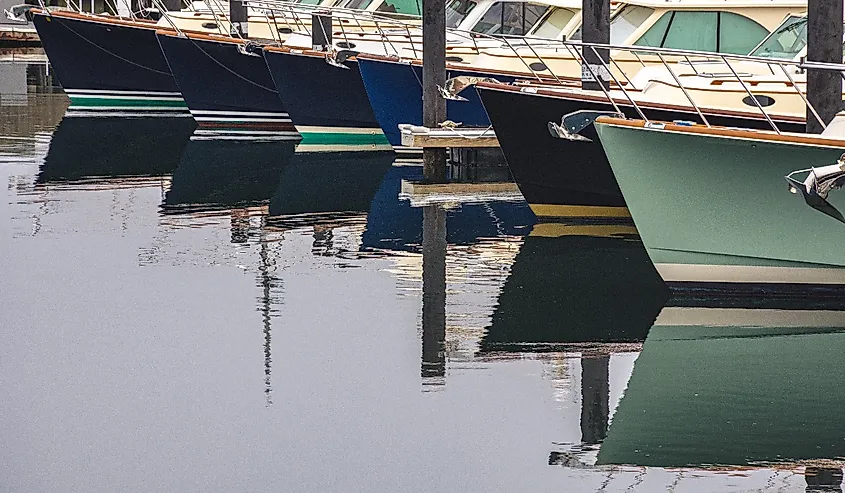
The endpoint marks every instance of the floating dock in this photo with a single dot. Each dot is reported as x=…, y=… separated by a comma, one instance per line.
x=447, y=137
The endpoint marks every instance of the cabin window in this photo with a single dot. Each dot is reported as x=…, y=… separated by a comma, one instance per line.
x=410, y=7
x=787, y=41
x=623, y=24
x=510, y=18
x=309, y=2
x=358, y=4
x=553, y=23
x=722, y=32
x=457, y=11
x=739, y=35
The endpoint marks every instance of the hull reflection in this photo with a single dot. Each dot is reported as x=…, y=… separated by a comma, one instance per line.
x=574, y=291
x=733, y=386
x=111, y=150
x=223, y=174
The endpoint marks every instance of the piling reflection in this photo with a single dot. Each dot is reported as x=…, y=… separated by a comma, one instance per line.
x=433, y=368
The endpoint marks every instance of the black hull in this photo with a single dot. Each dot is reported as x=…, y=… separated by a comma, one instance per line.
x=103, y=149
x=554, y=174
x=109, y=66
x=328, y=104
x=225, y=88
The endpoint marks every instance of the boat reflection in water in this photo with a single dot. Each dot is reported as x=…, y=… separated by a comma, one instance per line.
x=114, y=152
x=582, y=298
x=221, y=175
x=726, y=388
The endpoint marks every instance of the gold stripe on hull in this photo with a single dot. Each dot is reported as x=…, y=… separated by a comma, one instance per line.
x=570, y=211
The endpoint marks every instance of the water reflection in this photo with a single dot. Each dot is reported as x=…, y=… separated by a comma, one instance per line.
x=327, y=293
x=434, y=295
x=733, y=386
x=113, y=152
x=576, y=292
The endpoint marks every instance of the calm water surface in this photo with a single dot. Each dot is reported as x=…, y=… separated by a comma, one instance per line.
x=198, y=315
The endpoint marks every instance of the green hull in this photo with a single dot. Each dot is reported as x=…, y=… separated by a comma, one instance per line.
x=733, y=387
x=716, y=209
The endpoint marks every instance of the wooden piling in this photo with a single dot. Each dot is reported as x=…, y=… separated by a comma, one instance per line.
x=238, y=18
x=596, y=29
x=434, y=74
x=824, y=44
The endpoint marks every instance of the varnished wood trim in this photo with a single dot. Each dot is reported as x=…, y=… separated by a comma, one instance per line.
x=728, y=132
x=644, y=104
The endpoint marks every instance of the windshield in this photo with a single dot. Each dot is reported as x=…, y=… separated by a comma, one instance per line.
x=457, y=11
x=552, y=25
x=623, y=24
x=787, y=41
x=510, y=18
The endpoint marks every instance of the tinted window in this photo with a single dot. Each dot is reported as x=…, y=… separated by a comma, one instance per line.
x=693, y=31
x=509, y=18
x=457, y=10
x=411, y=7
x=656, y=33
x=739, y=35
x=358, y=4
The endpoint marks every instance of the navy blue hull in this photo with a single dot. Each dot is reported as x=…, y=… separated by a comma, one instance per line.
x=328, y=104
x=226, y=89
x=106, y=65
x=395, y=93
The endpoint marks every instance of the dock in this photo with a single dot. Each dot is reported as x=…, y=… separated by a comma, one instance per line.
x=421, y=194
x=447, y=137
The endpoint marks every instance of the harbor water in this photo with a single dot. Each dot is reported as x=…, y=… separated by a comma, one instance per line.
x=187, y=313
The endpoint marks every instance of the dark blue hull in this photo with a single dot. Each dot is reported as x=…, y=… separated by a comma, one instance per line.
x=228, y=89
x=395, y=92
x=107, y=65
x=328, y=104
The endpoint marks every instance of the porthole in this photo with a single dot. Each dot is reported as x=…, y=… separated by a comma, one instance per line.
x=285, y=30
x=209, y=25
x=345, y=45
x=538, y=66
x=762, y=99
x=454, y=59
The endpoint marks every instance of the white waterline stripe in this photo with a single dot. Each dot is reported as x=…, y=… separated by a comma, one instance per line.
x=294, y=137
x=107, y=91
x=236, y=113
x=339, y=130
x=750, y=274
x=127, y=98
x=151, y=109
x=123, y=114
x=207, y=131
x=256, y=120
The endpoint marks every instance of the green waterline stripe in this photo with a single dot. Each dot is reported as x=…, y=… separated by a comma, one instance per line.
x=324, y=138
x=118, y=102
